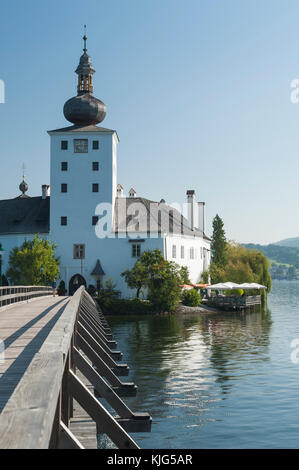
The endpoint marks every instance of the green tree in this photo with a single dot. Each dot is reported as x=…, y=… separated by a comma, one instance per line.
x=34, y=263
x=242, y=265
x=205, y=277
x=185, y=276
x=162, y=279
x=164, y=287
x=136, y=277
x=218, y=244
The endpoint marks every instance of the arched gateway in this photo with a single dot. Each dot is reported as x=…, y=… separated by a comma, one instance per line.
x=76, y=282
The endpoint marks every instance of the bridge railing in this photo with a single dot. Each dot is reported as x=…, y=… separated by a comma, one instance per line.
x=12, y=294
x=39, y=413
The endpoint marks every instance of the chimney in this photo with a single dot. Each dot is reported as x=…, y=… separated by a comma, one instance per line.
x=45, y=191
x=132, y=192
x=201, y=216
x=191, y=208
x=120, y=191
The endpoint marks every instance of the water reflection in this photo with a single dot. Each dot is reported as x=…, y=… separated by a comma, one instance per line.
x=185, y=366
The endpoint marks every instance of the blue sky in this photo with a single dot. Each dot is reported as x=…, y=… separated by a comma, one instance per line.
x=198, y=90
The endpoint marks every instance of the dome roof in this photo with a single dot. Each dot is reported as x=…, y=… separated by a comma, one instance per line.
x=84, y=109
x=23, y=188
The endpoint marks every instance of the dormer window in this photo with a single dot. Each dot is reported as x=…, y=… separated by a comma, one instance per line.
x=81, y=145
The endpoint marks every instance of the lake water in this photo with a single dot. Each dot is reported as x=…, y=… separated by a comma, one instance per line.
x=216, y=380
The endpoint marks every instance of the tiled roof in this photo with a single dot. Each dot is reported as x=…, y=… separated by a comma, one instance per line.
x=78, y=128
x=24, y=215
x=153, y=217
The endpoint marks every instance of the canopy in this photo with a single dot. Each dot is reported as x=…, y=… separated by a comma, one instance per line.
x=186, y=286
x=201, y=286
x=220, y=286
x=232, y=285
x=253, y=285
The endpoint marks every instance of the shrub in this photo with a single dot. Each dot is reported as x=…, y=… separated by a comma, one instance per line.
x=236, y=292
x=127, y=307
x=91, y=290
x=61, y=289
x=108, y=295
x=4, y=281
x=191, y=298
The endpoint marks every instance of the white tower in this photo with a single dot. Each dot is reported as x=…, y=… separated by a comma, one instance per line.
x=83, y=175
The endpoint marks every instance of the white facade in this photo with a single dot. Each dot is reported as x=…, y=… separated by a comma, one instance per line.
x=84, y=175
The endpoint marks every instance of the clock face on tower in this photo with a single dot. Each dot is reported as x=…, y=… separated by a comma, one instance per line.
x=81, y=145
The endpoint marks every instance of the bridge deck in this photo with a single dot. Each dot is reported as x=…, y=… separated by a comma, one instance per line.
x=24, y=328
x=56, y=353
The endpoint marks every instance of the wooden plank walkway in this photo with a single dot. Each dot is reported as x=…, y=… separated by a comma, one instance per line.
x=50, y=347
x=24, y=328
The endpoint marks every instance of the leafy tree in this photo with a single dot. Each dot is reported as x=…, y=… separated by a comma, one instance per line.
x=34, y=263
x=162, y=278
x=136, y=277
x=205, y=277
x=164, y=288
x=184, y=273
x=243, y=265
x=218, y=244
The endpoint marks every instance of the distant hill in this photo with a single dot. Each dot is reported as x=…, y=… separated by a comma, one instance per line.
x=280, y=254
x=290, y=242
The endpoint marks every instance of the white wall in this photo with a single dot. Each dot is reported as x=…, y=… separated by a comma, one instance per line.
x=80, y=202
x=197, y=265
x=115, y=256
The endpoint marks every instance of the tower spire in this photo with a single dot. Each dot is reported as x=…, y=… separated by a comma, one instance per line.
x=85, y=109
x=23, y=186
x=85, y=70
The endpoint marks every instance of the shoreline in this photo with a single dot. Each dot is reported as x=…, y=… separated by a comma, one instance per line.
x=180, y=310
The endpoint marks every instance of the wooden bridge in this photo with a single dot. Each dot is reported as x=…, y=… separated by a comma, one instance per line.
x=57, y=358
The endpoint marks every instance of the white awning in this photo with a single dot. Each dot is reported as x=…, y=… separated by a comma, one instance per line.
x=220, y=286
x=233, y=285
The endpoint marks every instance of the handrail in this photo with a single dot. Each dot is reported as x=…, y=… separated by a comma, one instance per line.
x=39, y=412
x=13, y=294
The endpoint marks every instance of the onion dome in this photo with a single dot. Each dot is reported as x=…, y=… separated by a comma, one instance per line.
x=23, y=188
x=85, y=109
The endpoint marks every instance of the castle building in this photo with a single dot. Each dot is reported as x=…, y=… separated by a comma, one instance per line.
x=98, y=231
